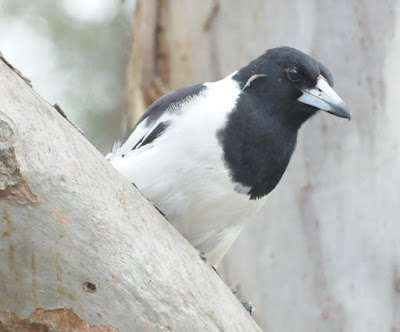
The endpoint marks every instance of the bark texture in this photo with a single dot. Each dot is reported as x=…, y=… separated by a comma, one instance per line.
x=324, y=254
x=148, y=68
x=80, y=248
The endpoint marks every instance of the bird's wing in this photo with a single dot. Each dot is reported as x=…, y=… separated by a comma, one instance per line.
x=156, y=119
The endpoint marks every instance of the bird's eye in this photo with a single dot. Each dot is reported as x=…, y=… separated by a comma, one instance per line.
x=293, y=74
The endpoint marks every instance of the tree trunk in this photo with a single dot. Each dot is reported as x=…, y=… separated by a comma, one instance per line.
x=325, y=250
x=80, y=248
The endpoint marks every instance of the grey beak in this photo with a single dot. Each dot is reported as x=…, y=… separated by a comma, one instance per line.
x=323, y=97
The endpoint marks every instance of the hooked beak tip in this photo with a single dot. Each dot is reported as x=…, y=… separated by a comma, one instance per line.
x=323, y=97
x=340, y=109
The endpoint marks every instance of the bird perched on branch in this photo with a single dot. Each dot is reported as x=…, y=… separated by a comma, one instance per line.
x=209, y=155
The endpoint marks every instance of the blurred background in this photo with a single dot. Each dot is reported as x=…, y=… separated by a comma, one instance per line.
x=75, y=53
x=324, y=253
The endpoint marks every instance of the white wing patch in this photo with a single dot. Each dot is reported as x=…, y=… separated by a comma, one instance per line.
x=143, y=130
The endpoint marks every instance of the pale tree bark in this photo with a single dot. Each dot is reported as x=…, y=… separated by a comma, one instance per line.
x=148, y=71
x=80, y=248
x=324, y=254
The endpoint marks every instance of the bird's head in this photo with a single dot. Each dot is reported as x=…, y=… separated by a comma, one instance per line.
x=293, y=82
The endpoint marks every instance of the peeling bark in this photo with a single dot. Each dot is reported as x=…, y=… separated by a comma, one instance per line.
x=13, y=187
x=49, y=320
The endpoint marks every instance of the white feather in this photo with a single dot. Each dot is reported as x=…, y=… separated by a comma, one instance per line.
x=251, y=79
x=183, y=172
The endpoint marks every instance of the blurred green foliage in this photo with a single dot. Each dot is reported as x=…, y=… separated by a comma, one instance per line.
x=79, y=64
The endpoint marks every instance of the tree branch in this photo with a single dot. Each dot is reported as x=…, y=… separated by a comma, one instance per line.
x=78, y=239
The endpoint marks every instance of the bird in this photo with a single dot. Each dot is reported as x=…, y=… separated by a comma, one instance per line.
x=209, y=155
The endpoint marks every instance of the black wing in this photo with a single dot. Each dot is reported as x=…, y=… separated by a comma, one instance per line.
x=156, y=119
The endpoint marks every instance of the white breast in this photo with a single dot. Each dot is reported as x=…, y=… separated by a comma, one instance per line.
x=183, y=173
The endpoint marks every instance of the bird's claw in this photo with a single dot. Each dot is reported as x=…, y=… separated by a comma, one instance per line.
x=248, y=306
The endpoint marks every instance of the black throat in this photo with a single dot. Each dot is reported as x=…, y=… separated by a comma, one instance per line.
x=259, y=138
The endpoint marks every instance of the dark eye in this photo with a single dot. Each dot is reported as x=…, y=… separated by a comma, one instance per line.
x=293, y=74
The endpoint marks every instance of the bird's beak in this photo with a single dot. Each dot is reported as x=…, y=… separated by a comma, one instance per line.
x=323, y=97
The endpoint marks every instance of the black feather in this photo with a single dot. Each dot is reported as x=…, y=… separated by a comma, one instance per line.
x=157, y=109
x=260, y=135
x=153, y=135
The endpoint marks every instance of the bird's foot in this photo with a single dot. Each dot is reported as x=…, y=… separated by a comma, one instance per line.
x=248, y=306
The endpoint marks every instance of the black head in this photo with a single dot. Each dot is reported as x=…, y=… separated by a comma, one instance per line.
x=292, y=84
x=301, y=69
x=280, y=90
